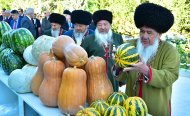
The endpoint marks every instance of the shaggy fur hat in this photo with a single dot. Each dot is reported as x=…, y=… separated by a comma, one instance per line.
x=57, y=18
x=102, y=15
x=67, y=12
x=153, y=16
x=81, y=17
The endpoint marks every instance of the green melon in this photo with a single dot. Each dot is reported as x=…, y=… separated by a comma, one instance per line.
x=126, y=55
x=6, y=38
x=115, y=110
x=4, y=27
x=11, y=61
x=20, y=40
x=88, y=112
x=135, y=106
x=5, y=51
x=100, y=106
x=117, y=98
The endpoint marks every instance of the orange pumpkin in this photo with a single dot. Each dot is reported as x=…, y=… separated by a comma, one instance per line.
x=98, y=84
x=38, y=77
x=60, y=43
x=73, y=91
x=75, y=55
x=49, y=88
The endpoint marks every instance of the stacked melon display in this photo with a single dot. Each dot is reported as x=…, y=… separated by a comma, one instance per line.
x=65, y=76
x=118, y=104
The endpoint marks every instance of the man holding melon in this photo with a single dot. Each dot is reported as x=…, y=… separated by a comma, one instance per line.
x=151, y=78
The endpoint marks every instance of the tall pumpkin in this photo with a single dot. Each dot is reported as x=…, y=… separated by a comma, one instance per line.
x=75, y=55
x=59, y=44
x=49, y=88
x=98, y=84
x=73, y=91
x=38, y=77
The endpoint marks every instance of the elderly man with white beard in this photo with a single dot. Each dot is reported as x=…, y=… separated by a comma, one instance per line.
x=81, y=20
x=56, y=20
x=158, y=68
x=103, y=42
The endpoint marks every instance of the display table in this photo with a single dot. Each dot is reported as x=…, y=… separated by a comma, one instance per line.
x=28, y=104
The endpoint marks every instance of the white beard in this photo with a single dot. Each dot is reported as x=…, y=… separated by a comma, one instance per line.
x=55, y=33
x=103, y=38
x=147, y=53
x=79, y=37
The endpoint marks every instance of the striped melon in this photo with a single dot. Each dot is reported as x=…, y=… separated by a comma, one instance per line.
x=135, y=106
x=115, y=110
x=21, y=39
x=4, y=26
x=88, y=112
x=6, y=38
x=100, y=106
x=126, y=55
x=4, y=51
x=117, y=98
x=11, y=61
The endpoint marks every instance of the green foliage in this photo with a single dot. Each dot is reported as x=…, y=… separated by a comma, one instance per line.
x=123, y=11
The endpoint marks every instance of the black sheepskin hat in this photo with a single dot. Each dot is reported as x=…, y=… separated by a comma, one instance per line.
x=67, y=12
x=102, y=15
x=57, y=18
x=81, y=17
x=154, y=16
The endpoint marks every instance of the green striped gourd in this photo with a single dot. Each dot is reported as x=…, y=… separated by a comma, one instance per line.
x=4, y=26
x=126, y=54
x=21, y=39
x=6, y=38
x=2, y=47
x=115, y=110
x=135, y=106
x=117, y=98
x=88, y=112
x=4, y=51
x=100, y=106
x=11, y=61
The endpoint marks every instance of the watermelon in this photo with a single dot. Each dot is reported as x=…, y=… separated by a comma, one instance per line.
x=88, y=112
x=126, y=55
x=100, y=106
x=117, y=98
x=115, y=110
x=2, y=47
x=21, y=39
x=4, y=51
x=6, y=38
x=135, y=106
x=4, y=26
x=11, y=61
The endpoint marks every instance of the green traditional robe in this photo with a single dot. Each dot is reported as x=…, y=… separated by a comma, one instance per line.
x=157, y=93
x=93, y=48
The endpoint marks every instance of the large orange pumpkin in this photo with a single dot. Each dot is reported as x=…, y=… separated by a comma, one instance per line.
x=98, y=84
x=73, y=91
x=75, y=55
x=38, y=77
x=49, y=88
x=60, y=43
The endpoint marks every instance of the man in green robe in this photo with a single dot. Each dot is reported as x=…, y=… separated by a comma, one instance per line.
x=104, y=42
x=56, y=20
x=152, y=77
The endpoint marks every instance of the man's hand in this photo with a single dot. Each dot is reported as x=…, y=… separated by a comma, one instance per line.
x=140, y=67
